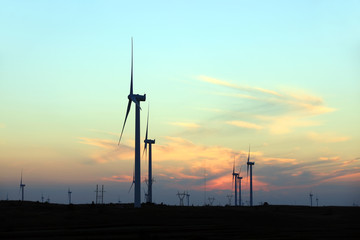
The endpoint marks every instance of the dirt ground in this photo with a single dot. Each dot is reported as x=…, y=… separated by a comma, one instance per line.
x=33, y=220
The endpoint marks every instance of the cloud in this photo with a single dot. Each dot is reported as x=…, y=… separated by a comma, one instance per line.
x=185, y=124
x=108, y=150
x=285, y=124
x=279, y=111
x=336, y=158
x=243, y=124
x=235, y=86
x=120, y=178
x=326, y=137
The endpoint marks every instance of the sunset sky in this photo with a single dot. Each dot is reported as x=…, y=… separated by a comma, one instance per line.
x=282, y=76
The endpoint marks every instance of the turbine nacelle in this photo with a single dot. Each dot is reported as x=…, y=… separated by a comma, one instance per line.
x=137, y=97
x=149, y=141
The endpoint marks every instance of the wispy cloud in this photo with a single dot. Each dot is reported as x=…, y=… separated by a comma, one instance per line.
x=243, y=124
x=108, y=150
x=327, y=137
x=185, y=124
x=279, y=111
x=236, y=86
x=120, y=178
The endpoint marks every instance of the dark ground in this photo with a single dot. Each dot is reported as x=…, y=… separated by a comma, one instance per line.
x=31, y=220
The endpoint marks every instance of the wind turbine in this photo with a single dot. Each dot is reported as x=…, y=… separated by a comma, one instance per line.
x=311, y=195
x=69, y=194
x=150, y=142
x=239, y=178
x=249, y=165
x=22, y=186
x=136, y=98
x=234, y=177
x=188, y=197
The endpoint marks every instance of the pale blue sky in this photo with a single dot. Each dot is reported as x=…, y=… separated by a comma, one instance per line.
x=209, y=69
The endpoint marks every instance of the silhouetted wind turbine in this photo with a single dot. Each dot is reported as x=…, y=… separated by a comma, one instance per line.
x=188, y=198
x=311, y=195
x=234, y=177
x=22, y=186
x=150, y=142
x=136, y=98
x=69, y=195
x=239, y=178
x=250, y=164
x=317, y=201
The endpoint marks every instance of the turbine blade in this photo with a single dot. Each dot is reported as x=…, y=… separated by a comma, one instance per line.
x=127, y=113
x=133, y=181
x=147, y=124
x=131, y=83
x=131, y=187
x=234, y=166
x=146, y=134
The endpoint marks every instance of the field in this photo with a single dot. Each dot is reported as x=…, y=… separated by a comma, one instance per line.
x=33, y=220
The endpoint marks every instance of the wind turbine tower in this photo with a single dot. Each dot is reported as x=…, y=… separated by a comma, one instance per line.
x=317, y=201
x=136, y=98
x=239, y=178
x=22, y=187
x=311, y=195
x=250, y=165
x=150, y=142
x=187, y=198
x=69, y=195
x=234, y=177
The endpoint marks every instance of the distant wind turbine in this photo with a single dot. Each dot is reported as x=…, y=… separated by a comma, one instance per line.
x=136, y=98
x=69, y=195
x=311, y=195
x=150, y=142
x=239, y=178
x=234, y=178
x=188, y=198
x=22, y=186
x=250, y=165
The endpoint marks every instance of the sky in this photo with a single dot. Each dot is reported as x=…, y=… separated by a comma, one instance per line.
x=279, y=76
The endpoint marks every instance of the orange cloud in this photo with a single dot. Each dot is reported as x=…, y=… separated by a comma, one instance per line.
x=120, y=178
x=350, y=177
x=336, y=158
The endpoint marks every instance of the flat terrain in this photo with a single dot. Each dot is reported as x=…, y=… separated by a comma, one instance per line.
x=31, y=220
